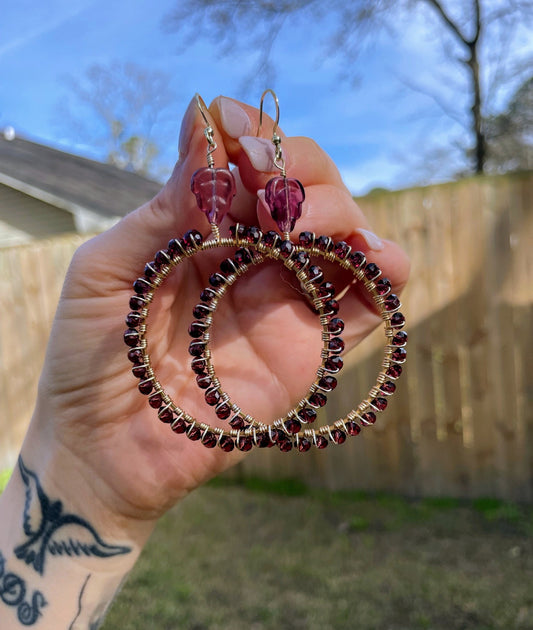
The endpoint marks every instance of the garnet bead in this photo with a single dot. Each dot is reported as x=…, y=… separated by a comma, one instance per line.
x=399, y=355
x=263, y=441
x=372, y=271
x=392, y=302
x=326, y=290
x=400, y=338
x=252, y=234
x=145, y=387
x=379, y=403
x=176, y=246
x=394, y=371
x=223, y=411
x=285, y=446
x=237, y=233
x=228, y=266
x=217, y=280
x=369, y=417
x=194, y=433
x=357, y=259
x=133, y=320
x=208, y=295
x=203, y=381
x=161, y=258
x=197, y=329
x=306, y=238
x=331, y=307
x=193, y=238
x=200, y=311
x=150, y=271
x=321, y=442
x=327, y=383
x=323, y=243
x=212, y=397
x=243, y=256
x=352, y=427
x=339, y=437
x=237, y=423
x=383, y=286
x=244, y=443
x=198, y=365
x=336, y=344
x=335, y=325
x=317, y=399
x=293, y=426
x=334, y=364
x=136, y=303
x=388, y=387
x=141, y=286
x=196, y=348
x=166, y=415
x=139, y=371
x=135, y=355
x=209, y=440
x=155, y=401
x=226, y=443
x=304, y=445
x=341, y=250
x=131, y=337
x=307, y=415
x=300, y=260
x=179, y=426
x=397, y=320
x=270, y=238
x=315, y=273
x=286, y=248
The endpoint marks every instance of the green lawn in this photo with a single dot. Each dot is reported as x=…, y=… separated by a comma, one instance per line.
x=277, y=556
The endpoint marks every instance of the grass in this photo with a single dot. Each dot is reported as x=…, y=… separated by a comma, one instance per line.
x=278, y=555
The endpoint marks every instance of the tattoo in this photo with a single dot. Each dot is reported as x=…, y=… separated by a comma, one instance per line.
x=79, y=602
x=13, y=593
x=51, y=530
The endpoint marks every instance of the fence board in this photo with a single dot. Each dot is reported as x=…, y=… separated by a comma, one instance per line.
x=461, y=422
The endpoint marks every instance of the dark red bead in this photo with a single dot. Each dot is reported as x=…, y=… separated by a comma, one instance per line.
x=197, y=329
x=317, y=399
x=131, y=337
x=397, y=320
x=135, y=355
x=326, y=290
x=203, y=381
x=237, y=233
x=252, y=234
x=223, y=411
x=136, y=303
x=245, y=443
x=352, y=427
x=334, y=364
x=270, y=238
x=196, y=348
x=369, y=417
x=379, y=403
x=161, y=258
x=335, y=325
x=155, y=401
x=315, y=273
x=212, y=397
x=133, y=320
x=372, y=271
x=179, y=426
x=331, y=307
x=201, y=311
x=392, y=302
x=194, y=433
x=217, y=280
x=145, y=387
x=321, y=442
x=139, y=371
x=339, y=437
x=228, y=265
x=341, y=249
x=285, y=446
x=336, y=344
x=193, y=238
x=304, y=445
x=237, y=423
x=383, y=286
x=300, y=260
x=388, y=387
x=209, y=440
x=293, y=426
x=399, y=355
x=165, y=415
x=277, y=435
x=327, y=383
x=394, y=371
x=306, y=238
x=286, y=248
x=226, y=443
x=357, y=259
x=263, y=441
x=208, y=295
x=323, y=243
x=176, y=247
x=142, y=286
x=243, y=256
x=307, y=415
x=400, y=338
x=149, y=270
x=199, y=365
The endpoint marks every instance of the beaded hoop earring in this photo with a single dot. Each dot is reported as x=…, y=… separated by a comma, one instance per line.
x=214, y=189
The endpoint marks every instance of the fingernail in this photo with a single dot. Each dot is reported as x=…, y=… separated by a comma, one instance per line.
x=373, y=241
x=234, y=119
x=260, y=152
x=262, y=200
x=187, y=126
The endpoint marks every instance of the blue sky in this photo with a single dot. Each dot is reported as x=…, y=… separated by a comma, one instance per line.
x=377, y=131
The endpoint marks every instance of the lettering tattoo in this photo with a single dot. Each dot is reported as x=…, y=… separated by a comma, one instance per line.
x=13, y=593
x=51, y=530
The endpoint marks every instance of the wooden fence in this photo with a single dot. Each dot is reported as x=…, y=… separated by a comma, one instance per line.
x=461, y=422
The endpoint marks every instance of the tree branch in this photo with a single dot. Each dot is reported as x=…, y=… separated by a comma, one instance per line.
x=447, y=20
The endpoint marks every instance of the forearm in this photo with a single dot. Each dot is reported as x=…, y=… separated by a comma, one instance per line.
x=62, y=557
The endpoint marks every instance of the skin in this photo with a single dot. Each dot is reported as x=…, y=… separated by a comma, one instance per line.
x=90, y=423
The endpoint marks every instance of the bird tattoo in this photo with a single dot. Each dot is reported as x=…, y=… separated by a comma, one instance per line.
x=51, y=530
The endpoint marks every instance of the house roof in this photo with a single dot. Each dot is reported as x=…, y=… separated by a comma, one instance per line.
x=71, y=182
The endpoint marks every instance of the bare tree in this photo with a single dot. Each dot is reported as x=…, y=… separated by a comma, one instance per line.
x=464, y=29
x=116, y=106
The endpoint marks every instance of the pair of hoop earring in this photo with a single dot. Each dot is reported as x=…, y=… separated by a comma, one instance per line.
x=214, y=189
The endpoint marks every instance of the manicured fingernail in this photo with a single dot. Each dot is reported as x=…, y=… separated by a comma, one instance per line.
x=262, y=200
x=260, y=152
x=234, y=119
x=373, y=241
x=187, y=126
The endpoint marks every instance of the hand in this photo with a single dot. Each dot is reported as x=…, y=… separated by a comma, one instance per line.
x=90, y=420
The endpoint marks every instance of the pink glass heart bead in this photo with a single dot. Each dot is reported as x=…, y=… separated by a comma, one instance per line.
x=214, y=189
x=284, y=197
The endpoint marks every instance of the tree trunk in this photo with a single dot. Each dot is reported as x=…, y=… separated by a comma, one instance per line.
x=477, y=114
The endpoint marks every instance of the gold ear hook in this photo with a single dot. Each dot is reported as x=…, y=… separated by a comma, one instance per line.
x=279, y=162
x=208, y=131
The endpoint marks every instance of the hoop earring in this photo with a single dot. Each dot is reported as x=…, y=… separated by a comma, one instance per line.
x=214, y=189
